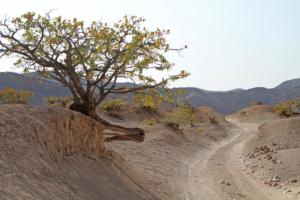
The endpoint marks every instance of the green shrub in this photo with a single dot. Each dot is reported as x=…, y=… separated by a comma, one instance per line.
x=199, y=130
x=151, y=121
x=176, y=97
x=58, y=101
x=285, y=108
x=12, y=96
x=181, y=115
x=116, y=104
x=149, y=100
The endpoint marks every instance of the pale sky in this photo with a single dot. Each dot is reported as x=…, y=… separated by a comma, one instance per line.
x=232, y=43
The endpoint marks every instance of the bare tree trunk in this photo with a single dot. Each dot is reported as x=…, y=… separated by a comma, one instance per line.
x=132, y=134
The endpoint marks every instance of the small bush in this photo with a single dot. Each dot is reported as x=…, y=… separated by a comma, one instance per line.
x=113, y=104
x=151, y=122
x=12, y=96
x=149, y=100
x=213, y=120
x=173, y=125
x=199, y=130
x=179, y=116
x=285, y=108
x=58, y=101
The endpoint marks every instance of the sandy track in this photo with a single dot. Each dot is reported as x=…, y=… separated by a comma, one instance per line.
x=218, y=173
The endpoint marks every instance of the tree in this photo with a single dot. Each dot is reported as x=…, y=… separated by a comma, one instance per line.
x=90, y=59
x=12, y=96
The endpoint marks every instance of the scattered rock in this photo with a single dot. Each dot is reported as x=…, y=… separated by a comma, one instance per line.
x=292, y=181
x=273, y=182
x=241, y=195
x=287, y=191
x=262, y=150
x=225, y=182
x=268, y=157
x=276, y=179
x=276, y=161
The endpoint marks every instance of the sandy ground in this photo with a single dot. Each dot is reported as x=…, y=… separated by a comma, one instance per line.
x=223, y=172
x=212, y=165
x=164, y=158
x=49, y=155
x=219, y=175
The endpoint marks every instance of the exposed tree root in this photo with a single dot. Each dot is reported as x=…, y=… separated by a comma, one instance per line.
x=131, y=134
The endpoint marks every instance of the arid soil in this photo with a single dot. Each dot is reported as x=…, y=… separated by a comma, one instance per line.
x=215, y=163
x=49, y=155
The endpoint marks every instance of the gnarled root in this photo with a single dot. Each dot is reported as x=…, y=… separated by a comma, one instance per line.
x=131, y=134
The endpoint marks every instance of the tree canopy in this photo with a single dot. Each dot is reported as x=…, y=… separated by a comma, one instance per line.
x=89, y=59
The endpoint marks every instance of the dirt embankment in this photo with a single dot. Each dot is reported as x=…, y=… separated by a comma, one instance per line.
x=274, y=155
x=255, y=114
x=50, y=154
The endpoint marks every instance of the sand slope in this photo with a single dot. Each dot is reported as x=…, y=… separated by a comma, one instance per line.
x=49, y=155
x=255, y=114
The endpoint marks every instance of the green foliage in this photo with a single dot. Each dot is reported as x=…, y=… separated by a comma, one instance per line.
x=116, y=104
x=285, y=108
x=58, y=101
x=181, y=115
x=149, y=100
x=177, y=97
x=199, y=130
x=12, y=96
x=151, y=121
x=93, y=56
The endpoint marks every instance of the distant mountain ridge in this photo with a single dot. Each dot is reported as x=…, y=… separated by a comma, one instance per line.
x=291, y=84
x=225, y=102
x=231, y=101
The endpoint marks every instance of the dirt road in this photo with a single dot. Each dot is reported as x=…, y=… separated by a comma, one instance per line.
x=219, y=173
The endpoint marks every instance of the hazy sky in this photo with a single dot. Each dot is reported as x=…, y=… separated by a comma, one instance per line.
x=232, y=43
